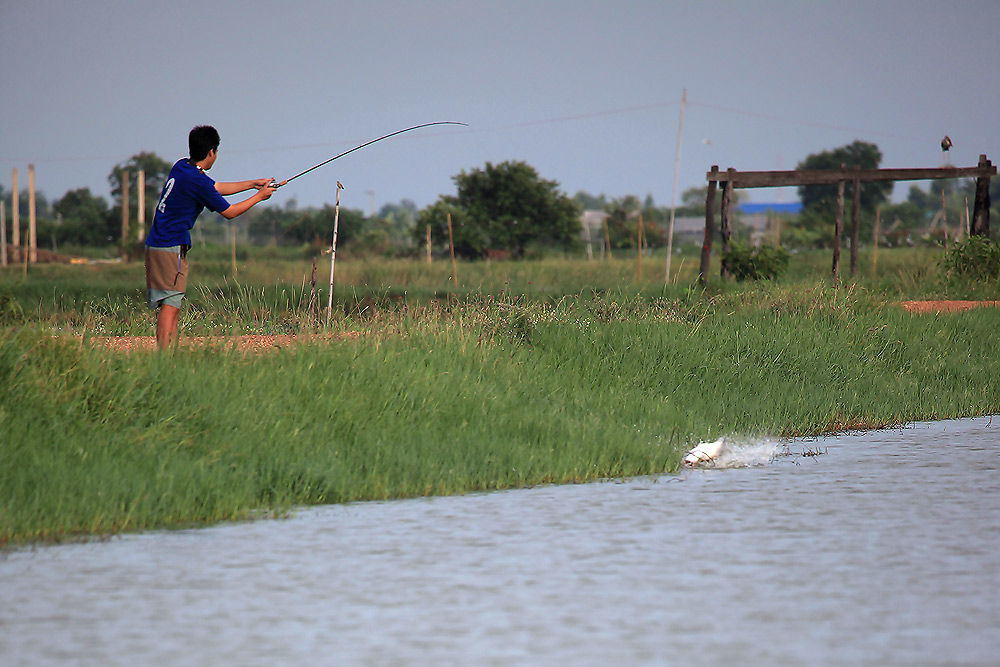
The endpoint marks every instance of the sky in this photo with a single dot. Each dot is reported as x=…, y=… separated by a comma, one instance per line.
x=587, y=92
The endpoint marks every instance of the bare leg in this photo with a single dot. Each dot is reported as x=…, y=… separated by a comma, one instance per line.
x=166, y=326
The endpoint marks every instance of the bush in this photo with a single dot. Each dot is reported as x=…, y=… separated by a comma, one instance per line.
x=975, y=259
x=760, y=263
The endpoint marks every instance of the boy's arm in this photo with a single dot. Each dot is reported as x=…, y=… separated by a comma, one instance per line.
x=234, y=210
x=241, y=186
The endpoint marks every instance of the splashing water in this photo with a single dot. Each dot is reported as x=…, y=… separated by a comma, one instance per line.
x=734, y=452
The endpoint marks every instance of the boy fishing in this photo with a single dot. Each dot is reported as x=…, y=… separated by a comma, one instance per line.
x=188, y=191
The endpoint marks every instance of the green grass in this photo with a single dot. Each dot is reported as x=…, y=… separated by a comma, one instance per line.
x=553, y=371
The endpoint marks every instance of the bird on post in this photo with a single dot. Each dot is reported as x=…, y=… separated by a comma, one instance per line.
x=945, y=145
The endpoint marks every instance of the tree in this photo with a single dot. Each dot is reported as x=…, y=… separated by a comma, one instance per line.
x=85, y=218
x=505, y=206
x=823, y=198
x=156, y=171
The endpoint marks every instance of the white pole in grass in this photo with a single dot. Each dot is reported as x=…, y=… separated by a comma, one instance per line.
x=140, y=193
x=333, y=252
x=677, y=167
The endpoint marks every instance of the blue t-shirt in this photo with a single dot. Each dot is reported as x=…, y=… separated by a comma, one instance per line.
x=187, y=191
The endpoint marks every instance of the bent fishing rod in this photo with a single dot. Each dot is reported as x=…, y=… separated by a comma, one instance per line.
x=276, y=185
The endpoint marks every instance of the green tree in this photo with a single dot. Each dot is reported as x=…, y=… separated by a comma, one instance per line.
x=85, y=219
x=823, y=198
x=156, y=171
x=505, y=206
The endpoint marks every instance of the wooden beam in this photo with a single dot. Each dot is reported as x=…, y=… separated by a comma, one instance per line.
x=726, y=223
x=775, y=179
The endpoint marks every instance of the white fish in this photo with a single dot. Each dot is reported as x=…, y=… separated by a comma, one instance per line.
x=706, y=452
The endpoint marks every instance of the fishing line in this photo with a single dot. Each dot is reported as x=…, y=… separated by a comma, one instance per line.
x=367, y=143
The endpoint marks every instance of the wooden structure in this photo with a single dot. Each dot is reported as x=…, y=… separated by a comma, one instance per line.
x=731, y=179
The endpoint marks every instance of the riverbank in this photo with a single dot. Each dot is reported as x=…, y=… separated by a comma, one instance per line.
x=493, y=393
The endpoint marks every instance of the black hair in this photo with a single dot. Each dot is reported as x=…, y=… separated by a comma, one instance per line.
x=201, y=140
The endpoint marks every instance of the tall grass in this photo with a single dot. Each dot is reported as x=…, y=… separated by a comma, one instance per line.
x=494, y=390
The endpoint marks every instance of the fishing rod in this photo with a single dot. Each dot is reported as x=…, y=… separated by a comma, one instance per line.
x=276, y=185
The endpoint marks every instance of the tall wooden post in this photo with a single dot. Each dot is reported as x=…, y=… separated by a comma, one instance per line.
x=32, y=231
x=607, y=238
x=124, y=209
x=706, y=246
x=981, y=206
x=944, y=219
x=15, y=214
x=855, y=207
x=140, y=202
x=838, y=228
x=726, y=219
x=429, y=244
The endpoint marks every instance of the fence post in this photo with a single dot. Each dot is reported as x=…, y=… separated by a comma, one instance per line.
x=855, y=207
x=838, y=227
x=706, y=246
x=15, y=215
x=32, y=229
x=125, y=213
x=981, y=206
x=140, y=201
x=726, y=219
x=3, y=232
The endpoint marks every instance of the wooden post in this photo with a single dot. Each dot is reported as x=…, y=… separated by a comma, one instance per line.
x=706, y=246
x=981, y=204
x=333, y=252
x=140, y=202
x=429, y=244
x=838, y=227
x=451, y=244
x=726, y=219
x=607, y=238
x=15, y=215
x=878, y=211
x=3, y=233
x=125, y=180
x=855, y=208
x=964, y=229
x=32, y=232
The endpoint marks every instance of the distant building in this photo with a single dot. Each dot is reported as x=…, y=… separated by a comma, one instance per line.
x=760, y=216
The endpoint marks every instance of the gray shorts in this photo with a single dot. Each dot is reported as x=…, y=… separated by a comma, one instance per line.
x=161, y=297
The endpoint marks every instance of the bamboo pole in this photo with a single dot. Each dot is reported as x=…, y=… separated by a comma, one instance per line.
x=3, y=233
x=140, y=199
x=944, y=220
x=640, y=246
x=966, y=228
x=15, y=214
x=333, y=252
x=429, y=260
x=125, y=207
x=32, y=230
x=451, y=245
x=878, y=212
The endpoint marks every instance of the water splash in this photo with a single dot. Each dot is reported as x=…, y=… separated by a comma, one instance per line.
x=735, y=452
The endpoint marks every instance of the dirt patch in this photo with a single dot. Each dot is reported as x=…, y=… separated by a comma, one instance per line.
x=251, y=344
x=922, y=307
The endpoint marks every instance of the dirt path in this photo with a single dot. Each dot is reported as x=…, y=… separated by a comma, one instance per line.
x=922, y=307
x=256, y=344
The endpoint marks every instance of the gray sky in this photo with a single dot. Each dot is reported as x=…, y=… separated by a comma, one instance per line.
x=586, y=92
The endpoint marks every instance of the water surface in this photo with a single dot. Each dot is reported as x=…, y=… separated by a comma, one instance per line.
x=881, y=549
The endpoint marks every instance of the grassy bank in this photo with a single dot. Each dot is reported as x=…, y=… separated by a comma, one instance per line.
x=496, y=391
